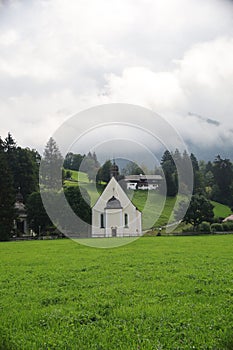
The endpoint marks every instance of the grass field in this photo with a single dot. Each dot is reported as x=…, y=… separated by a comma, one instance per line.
x=221, y=210
x=164, y=293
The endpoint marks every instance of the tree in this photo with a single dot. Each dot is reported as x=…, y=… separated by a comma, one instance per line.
x=38, y=219
x=51, y=166
x=223, y=176
x=80, y=202
x=104, y=172
x=132, y=169
x=198, y=181
x=7, y=197
x=170, y=173
x=90, y=165
x=24, y=166
x=167, y=157
x=68, y=161
x=68, y=175
x=27, y=171
x=73, y=161
x=194, y=162
x=200, y=209
x=9, y=143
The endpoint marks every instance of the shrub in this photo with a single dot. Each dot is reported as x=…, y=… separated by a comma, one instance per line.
x=204, y=227
x=227, y=226
x=188, y=228
x=216, y=227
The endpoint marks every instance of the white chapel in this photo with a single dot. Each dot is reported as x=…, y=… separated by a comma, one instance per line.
x=114, y=215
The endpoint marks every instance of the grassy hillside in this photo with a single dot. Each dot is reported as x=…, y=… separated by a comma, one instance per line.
x=156, y=207
x=221, y=210
x=81, y=179
x=77, y=176
x=156, y=293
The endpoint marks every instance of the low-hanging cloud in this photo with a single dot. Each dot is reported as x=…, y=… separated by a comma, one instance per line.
x=175, y=57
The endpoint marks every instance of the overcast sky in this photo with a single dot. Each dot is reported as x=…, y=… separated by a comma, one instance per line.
x=172, y=56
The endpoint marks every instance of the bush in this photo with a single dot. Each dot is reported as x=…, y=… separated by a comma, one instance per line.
x=227, y=226
x=216, y=227
x=188, y=228
x=204, y=227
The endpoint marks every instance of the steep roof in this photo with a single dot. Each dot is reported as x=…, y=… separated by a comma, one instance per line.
x=113, y=189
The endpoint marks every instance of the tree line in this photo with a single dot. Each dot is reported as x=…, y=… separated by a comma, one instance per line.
x=214, y=180
x=19, y=170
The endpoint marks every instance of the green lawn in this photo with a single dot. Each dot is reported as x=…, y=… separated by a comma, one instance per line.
x=77, y=176
x=221, y=210
x=172, y=293
x=157, y=210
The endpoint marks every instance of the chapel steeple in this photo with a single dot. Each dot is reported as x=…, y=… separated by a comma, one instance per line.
x=114, y=170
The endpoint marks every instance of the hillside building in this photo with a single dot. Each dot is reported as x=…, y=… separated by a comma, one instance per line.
x=143, y=182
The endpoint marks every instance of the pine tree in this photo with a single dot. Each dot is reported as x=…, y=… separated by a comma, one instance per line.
x=24, y=166
x=170, y=173
x=51, y=166
x=7, y=197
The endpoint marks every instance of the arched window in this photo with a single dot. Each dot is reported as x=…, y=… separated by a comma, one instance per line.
x=126, y=220
x=101, y=220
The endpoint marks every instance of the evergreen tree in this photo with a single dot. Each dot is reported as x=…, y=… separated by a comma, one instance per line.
x=27, y=175
x=198, y=181
x=24, y=166
x=51, y=166
x=170, y=173
x=90, y=165
x=194, y=162
x=223, y=176
x=7, y=197
x=167, y=157
x=9, y=144
x=132, y=169
x=77, y=161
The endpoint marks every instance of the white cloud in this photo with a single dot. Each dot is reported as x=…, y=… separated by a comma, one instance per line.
x=174, y=56
x=201, y=83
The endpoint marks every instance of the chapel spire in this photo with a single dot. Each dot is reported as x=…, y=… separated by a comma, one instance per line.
x=114, y=170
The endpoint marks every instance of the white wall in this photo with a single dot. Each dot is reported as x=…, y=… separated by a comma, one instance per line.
x=115, y=217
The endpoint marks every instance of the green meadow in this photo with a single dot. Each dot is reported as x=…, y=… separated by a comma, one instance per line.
x=164, y=293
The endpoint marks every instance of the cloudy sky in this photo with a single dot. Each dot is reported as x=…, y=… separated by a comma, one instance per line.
x=174, y=57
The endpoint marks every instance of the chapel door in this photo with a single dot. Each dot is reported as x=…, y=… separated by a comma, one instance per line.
x=114, y=231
